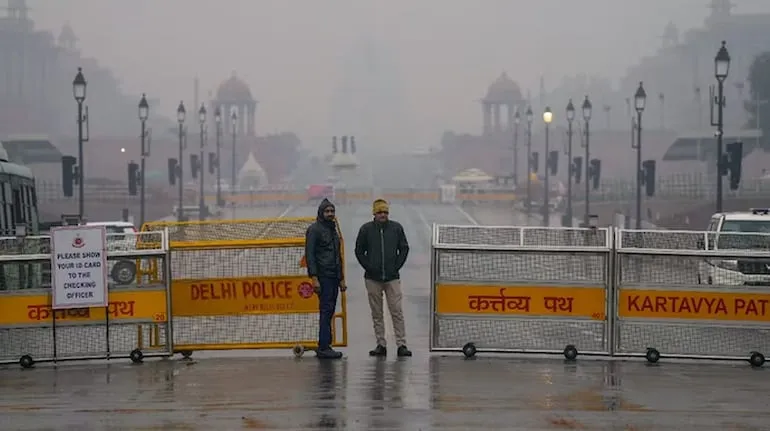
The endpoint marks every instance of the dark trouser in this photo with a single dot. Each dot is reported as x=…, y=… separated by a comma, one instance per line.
x=327, y=303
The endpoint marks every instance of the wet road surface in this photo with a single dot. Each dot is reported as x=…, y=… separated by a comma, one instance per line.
x=272, y=390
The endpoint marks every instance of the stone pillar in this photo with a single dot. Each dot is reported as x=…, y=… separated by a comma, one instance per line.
x=496, y=109
x=252, y=119
x=242, y=119
x=511, y=111
x=487, y=111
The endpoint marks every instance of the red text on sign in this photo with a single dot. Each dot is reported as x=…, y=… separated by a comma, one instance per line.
x=698, y=305
x=751, y=307
x=677, y=304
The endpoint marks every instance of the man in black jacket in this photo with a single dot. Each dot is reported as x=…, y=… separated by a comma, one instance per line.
x=324, y=267
x=381, y=249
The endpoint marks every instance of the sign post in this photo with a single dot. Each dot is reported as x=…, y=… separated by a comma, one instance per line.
x=79, y=267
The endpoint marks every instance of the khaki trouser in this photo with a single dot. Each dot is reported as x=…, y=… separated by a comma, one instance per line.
x=392, y=291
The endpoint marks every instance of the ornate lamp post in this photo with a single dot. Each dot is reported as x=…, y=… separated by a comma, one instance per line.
x=181, y=113
x=570, y=172
x=587, y=108
x=640, y=100
x=547, y=118
x=144, y=113
x=721, y=70
x=79, y=91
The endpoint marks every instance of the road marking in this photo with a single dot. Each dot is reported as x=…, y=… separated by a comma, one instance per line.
x=423, y=219
x=466, y=215
x=428, y=226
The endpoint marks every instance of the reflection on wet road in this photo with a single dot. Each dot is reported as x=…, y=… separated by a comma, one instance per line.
x=271, y=390
x=419, y=393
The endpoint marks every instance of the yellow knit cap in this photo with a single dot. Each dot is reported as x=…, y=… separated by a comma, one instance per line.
x=380, y=205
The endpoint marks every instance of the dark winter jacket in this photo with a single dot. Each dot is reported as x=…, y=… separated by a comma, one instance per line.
x=322, y=247
x=381, y=249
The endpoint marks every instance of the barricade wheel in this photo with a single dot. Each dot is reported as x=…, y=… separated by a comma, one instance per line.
x=652, y=355
x=136, y=356
x=469, y=350
x=26, y=361
x=187, y=354
x=570, y=352
x=757, y=359
x=298, y=351
x=124, y=272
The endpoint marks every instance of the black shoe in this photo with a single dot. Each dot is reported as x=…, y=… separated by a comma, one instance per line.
x=328, y=354
x=379, y=351
x=403, y=351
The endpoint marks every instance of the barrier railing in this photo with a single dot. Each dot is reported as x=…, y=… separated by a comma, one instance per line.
x=133, y=325
x=620, y=293
x=520, y=289
x=242, y=284
x=680, y=296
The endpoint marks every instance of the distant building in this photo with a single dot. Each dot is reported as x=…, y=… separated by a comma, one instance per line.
x=276, y=154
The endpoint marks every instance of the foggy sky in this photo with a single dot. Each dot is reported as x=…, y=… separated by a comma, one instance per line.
x=293, y=53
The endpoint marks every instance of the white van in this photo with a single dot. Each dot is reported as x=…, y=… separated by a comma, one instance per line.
x=745, y=230
x=121, y=236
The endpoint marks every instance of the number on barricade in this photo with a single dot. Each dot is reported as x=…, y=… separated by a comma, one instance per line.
x=159, y=317
x=597, y=316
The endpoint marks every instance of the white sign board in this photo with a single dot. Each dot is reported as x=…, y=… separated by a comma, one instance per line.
x=79, y=267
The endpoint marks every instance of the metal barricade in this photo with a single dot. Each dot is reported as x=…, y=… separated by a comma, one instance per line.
x=520, y=290
x=133, y=325
x=692, y=295
x=242, y=284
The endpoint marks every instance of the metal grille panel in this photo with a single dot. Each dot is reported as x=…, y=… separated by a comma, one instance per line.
x=492, y=236
x=693, y=240
x=690, y=340
x=250, y=329
x=234, y=263
x=233, y=230
x=519, y=334
x=516, y=266
x=82, y=340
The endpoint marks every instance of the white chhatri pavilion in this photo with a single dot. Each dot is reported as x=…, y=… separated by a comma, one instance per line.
x=251, y=174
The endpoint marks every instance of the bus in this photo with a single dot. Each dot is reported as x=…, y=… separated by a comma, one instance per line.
x=19, y=215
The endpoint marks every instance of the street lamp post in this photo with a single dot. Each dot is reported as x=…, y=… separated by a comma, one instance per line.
x=218, y=119
x=721, y=70
x=570, y=170
x=547, y=118
x=144, y=113
x=79, y=91
x=530, y=117
x=516, y=120
x=201, y=172
x=233, y=123
x=587, y=108
x=640, y=99
x=180, y=117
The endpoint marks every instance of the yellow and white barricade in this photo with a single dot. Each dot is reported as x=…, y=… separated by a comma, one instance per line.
x=242, y=284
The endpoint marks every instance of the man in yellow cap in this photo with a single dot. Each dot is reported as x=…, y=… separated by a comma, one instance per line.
x=381, y=249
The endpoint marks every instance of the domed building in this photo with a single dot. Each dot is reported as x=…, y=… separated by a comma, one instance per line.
x=234, y=95
x=502, y=93
x=276, y=155
x=489, y=151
